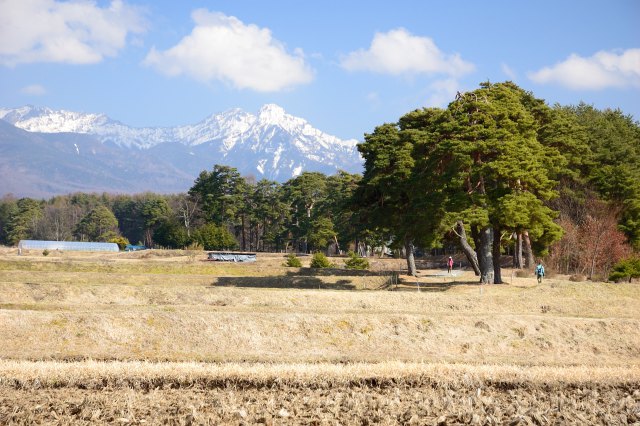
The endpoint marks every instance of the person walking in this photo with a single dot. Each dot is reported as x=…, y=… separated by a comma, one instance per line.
x=539, y=272
x=449, y=265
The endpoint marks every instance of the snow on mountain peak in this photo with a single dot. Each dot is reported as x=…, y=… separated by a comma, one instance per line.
x=234, y=134
x=46, y=120
x=271, y=113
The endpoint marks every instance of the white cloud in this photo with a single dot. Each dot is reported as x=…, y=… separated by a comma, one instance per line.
x=76, y=32
x=223, y=48
x=34, y=89
x=399, y=52
x=508, y=71
x=602, y=70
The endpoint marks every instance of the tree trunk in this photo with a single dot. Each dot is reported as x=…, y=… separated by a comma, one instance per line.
x=594, y=256
x=517, y=254
x=411, y=261
x=496, y=253
x=148, y=239
x=244, y=235
x=485, y=255
x=527, y=251
x=466, y=247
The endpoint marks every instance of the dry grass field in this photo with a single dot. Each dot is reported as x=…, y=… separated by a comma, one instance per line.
x=165, y=337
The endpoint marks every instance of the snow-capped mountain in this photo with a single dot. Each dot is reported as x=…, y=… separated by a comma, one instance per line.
x=270, y=144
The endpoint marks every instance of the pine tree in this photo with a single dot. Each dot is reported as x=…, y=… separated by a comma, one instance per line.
x=386, y=194
x=500, y=177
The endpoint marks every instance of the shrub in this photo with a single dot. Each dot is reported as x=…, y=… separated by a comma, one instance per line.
x=319, y=260
x=626, y=270
x=577, y=278
x=45, y=252
x=355, y=261
x=170, y=233
x=213, y=237
x=120, y=241
x=292, y=261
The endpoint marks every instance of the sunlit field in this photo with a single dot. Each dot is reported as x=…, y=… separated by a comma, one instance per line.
x=151, y=336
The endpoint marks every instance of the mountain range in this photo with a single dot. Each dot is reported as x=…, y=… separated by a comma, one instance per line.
x=45, y=152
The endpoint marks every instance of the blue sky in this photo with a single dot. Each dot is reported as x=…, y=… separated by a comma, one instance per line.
x=345, y=66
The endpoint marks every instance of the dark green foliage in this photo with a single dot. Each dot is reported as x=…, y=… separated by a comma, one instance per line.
x=128, y=210
x=388, y=195
x=386, y=188
x=338, y=207
x=302, y=195
x=98, y=225
x=23, y=223
x=292, y=261
x=356, y=262
x=8, y=208
x=614, y=140
x=320, y=233
x=267, y=213
x=220, y=192
x=319, y=260
x=479, y=161
x=171, y=234
x=154, y=210
x=626, y=270
x=214, y=237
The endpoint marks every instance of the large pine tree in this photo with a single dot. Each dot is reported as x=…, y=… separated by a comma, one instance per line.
x=502, y=173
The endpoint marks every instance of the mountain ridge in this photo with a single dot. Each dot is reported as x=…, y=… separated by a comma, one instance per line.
x=270, y=144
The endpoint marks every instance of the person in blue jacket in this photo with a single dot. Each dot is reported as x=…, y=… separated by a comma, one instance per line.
x=539, y=272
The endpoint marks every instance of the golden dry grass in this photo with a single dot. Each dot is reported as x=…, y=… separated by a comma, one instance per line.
x=91, y=326
x=178, y=309
x=148, y=375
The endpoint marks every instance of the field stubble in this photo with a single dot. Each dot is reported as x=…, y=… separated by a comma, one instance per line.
x=313, y=347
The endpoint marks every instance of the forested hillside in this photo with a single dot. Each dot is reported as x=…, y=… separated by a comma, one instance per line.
x=498, y=171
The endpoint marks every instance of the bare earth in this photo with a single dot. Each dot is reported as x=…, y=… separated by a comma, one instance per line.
x=163, y=336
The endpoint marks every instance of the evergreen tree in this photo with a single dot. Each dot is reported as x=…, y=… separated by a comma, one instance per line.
x=8, y=208
x=128, y=210
x=269, y=212
x=98, y=225
x=214, y=237
x=24, y=221
x=341, y=188
x=386, y=194
x=154, y=211
x=171, y=234
x=221, y=193
x=303, y=194
x=614, y=139
x=501, y=166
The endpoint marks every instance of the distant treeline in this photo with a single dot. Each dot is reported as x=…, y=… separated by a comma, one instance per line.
x=222, y=210
x=497, y=171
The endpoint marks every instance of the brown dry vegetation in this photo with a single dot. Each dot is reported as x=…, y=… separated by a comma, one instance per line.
x=153, y=336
